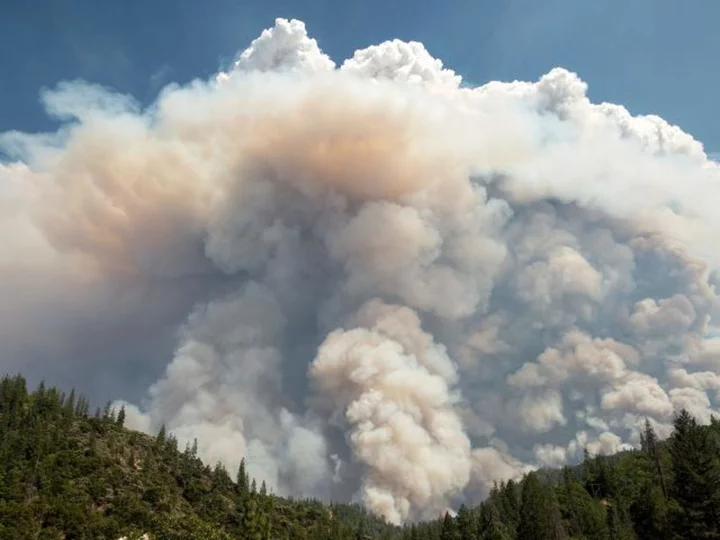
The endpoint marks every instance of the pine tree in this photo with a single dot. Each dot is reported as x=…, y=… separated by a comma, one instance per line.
x=489, y=516
x=161, y=437
x=242, y=481
x=649, y=512
x=509, y=505
x=573, y=517
x=82, y=407
x=585, y=517
x=69, y=406
x=121, y=417
x=648, y=509
x=109, y=412
x=171, y=444
x=467, y=525
x=448, y=531
x=696, y=480
x=649, y=444
x=539, y=512
x=106, y=410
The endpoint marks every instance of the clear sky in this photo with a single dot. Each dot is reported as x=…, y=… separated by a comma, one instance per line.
x=653, y=56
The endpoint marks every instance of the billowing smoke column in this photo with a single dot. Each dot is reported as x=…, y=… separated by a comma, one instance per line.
x=370, y=281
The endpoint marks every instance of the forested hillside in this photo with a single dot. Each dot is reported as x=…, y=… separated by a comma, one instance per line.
x=67, y=473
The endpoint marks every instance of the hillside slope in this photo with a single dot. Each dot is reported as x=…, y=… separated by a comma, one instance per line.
x=67, y=474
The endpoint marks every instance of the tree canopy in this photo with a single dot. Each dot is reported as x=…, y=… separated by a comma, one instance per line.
x=67, y=474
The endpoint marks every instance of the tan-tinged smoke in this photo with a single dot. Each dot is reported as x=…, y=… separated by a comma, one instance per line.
x=361, y=148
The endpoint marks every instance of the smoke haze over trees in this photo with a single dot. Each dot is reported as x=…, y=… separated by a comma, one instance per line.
x=67, y=473
x=371, y=281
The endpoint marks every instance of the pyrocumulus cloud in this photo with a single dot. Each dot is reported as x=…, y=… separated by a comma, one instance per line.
x=367, y=279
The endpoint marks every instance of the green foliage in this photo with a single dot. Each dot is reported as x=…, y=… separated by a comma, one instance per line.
x=696, y=481
x=449, y=529
x=67, y=475
x=121, y=417
x=467, y=524
x=539, y=511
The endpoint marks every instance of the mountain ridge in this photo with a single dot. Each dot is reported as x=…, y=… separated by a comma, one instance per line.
x=70, y=474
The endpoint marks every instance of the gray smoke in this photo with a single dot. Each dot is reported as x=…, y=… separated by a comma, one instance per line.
x=369, y=281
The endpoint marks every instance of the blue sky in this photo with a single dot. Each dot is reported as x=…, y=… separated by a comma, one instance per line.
x=653, y=56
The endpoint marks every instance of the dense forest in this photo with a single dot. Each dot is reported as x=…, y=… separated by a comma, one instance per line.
x=66, y=473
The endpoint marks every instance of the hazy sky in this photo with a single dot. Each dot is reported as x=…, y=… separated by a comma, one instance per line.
x=653, y=56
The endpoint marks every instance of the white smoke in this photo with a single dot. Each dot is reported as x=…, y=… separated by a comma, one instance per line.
x=392, y=381
x=369, y=281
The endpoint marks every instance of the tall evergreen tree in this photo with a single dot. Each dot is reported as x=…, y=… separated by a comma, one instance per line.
x=649, y=512
x=69, y=405
x=649, y=444
x=120, y=421
x=466, y=524
x=509, y=505
x=696, y=480
x=448, y=531
x=242, y=481
x=539, y=512
x=161, y=436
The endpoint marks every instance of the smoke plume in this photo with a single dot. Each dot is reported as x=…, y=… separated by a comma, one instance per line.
x=371, y=281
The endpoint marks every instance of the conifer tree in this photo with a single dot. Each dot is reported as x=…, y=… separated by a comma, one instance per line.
x=649, y=512
x=696, y=480
x=242, y=481
x=448, y=531
x=649, y=444
x=539, y=512
x=489, y=518
x=252, y=521
x=509, y=505
x=120, y=421
x=467, y=524
x=496, y=531
x=161, y=437
x=69, y=405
